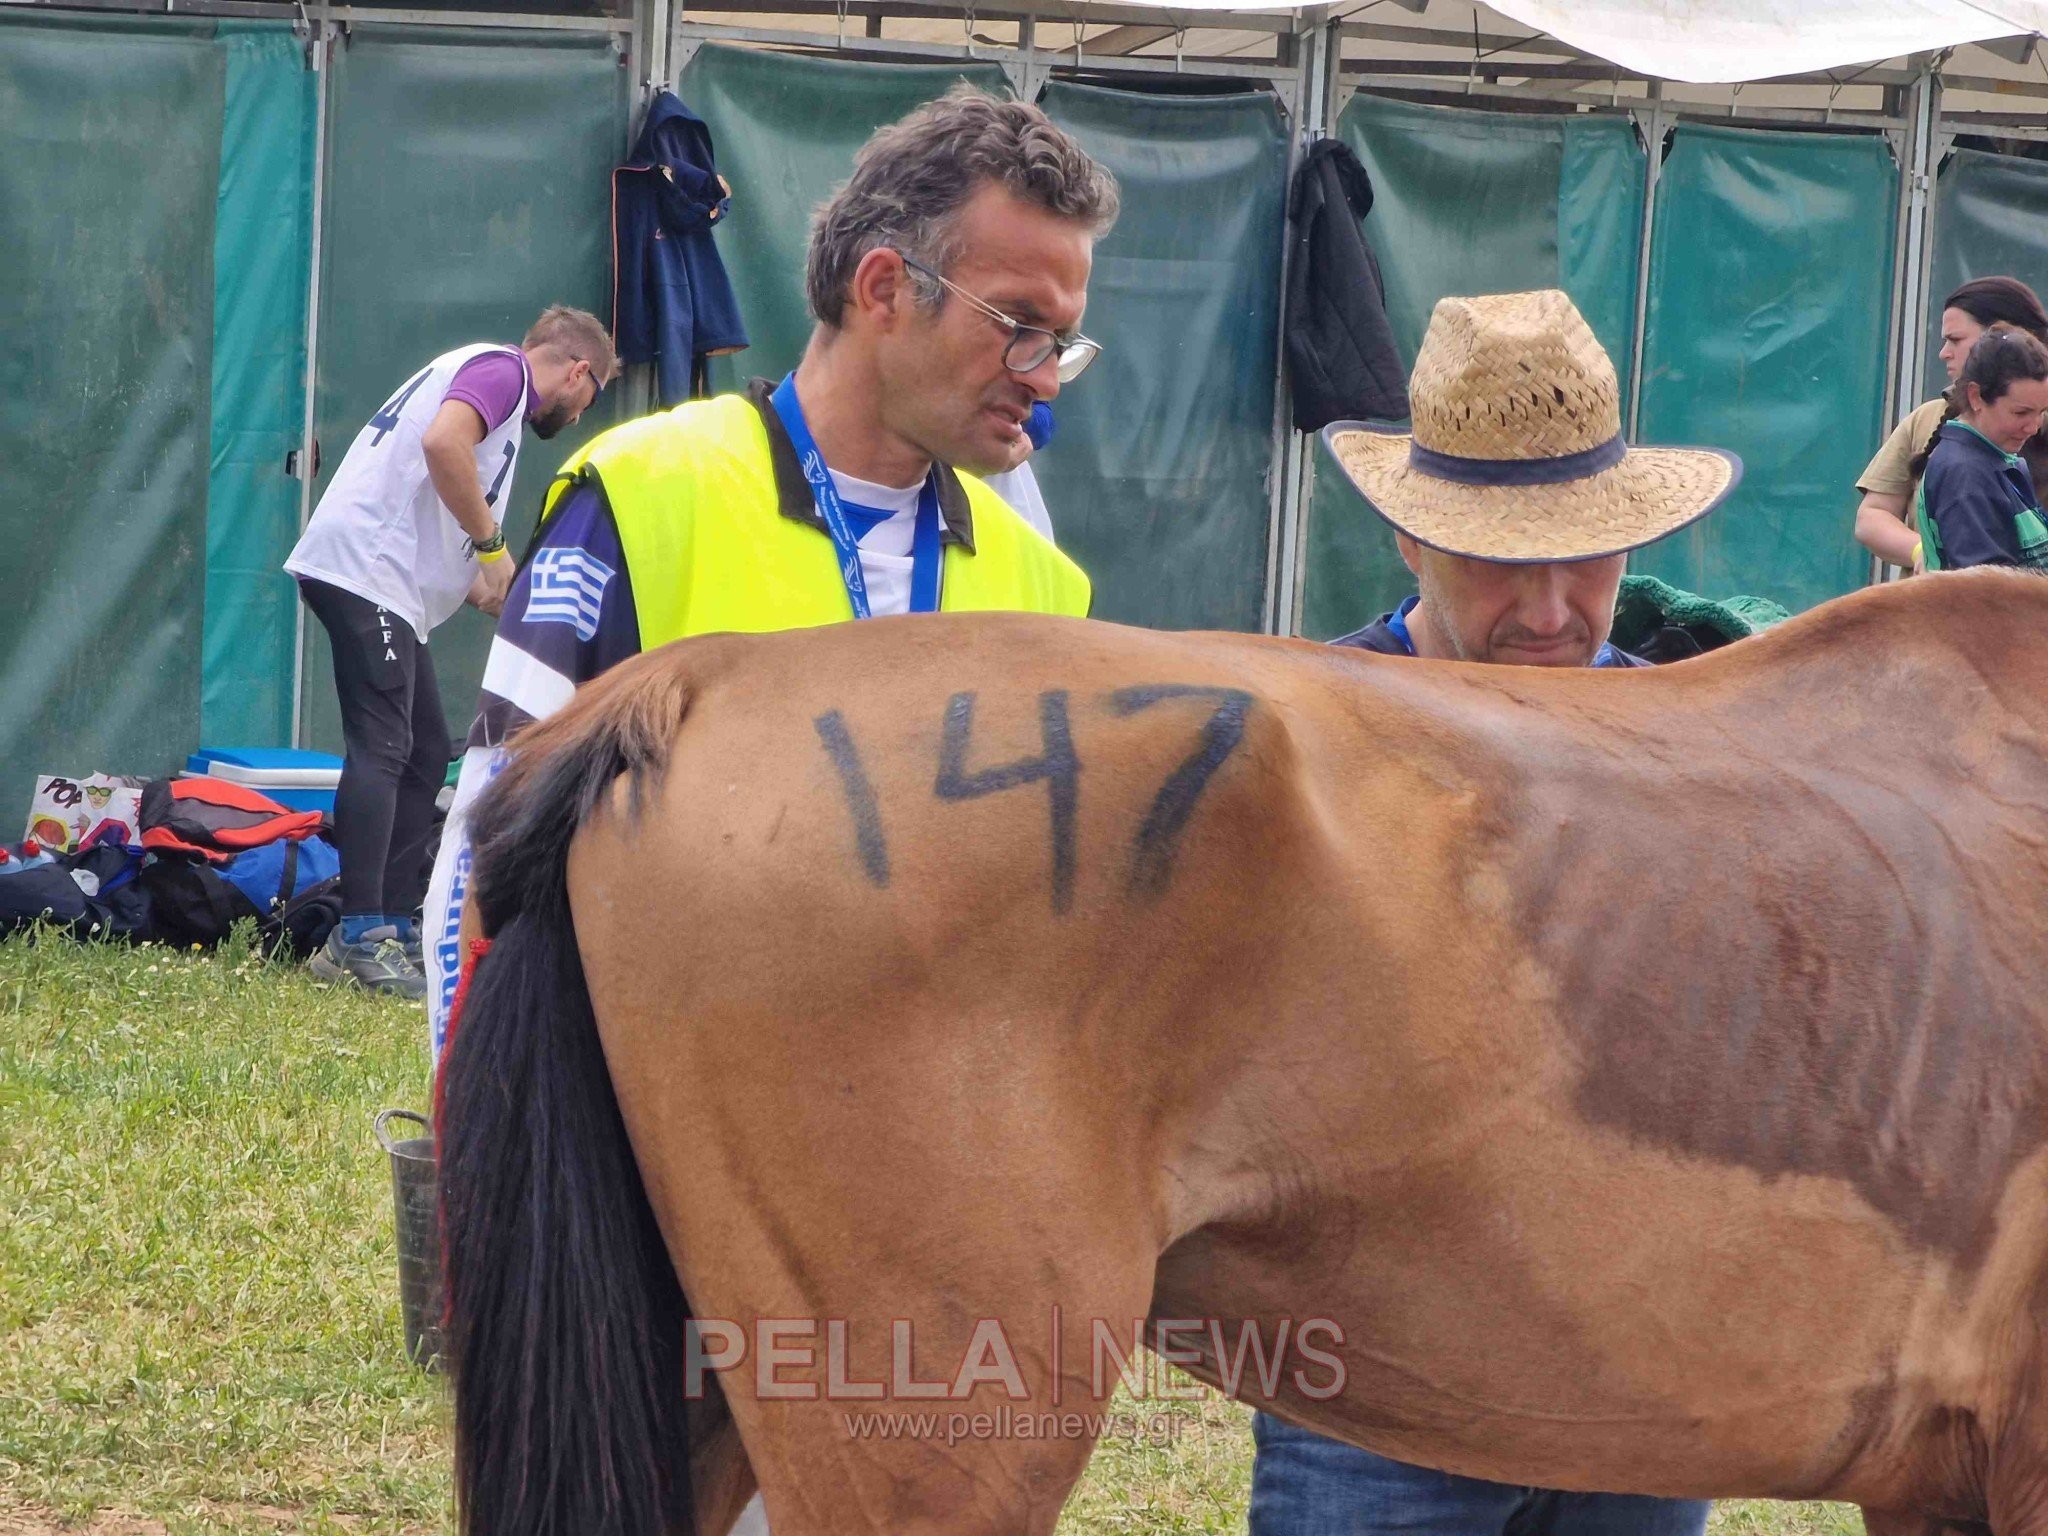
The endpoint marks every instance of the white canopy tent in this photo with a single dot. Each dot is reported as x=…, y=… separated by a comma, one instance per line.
x=1723, y=41
x=1718, y=41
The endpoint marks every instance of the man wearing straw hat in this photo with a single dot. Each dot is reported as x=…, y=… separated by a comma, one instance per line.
x=1515, y=502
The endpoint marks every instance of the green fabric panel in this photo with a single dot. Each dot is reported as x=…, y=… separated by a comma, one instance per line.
x=1770, y=294
x=1353, y=570
x=1463, y=202
x=1157, y=479
x=109, y=162
x=262, y=247
x=468, y=187
x=1469, y=202
x=785, y=129
x=1990, y=218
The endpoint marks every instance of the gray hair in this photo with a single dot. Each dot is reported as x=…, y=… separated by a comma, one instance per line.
x=912, y=178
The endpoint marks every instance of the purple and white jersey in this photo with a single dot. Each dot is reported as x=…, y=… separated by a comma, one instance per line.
x=380, y=530
x=492, y=384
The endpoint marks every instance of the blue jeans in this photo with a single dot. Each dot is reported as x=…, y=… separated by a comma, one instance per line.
x=1306, y=1485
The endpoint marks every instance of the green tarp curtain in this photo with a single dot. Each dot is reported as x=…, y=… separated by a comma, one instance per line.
x=1157, y=478
x=1990, y=218
x=785, y=129
x=262, y=245
x=1770, y=296
x=1468, y=202
x=1352, y=571
x=1498, y=202
x=109, y=168
x=468, y=187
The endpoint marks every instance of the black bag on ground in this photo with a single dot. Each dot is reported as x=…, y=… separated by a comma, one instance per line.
x=291, y=889
x=44, y=894
x=94, y=893
x=109, y=873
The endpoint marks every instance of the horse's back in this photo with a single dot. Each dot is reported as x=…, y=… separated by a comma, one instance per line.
x=1481, y=1005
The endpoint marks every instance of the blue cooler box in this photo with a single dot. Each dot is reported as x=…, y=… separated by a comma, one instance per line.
x=295, y=779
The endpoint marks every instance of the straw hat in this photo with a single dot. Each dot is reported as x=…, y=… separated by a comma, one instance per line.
x=1517, y=453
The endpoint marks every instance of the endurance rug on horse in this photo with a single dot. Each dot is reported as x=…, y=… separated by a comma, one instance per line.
x=1623, y=1081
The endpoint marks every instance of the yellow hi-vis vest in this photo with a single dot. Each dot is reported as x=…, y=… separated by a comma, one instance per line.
x=693, y=494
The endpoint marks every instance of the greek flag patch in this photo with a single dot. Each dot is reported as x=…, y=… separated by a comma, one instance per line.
x=566, y=586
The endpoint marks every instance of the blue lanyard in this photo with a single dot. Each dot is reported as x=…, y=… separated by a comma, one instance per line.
x=924, y=542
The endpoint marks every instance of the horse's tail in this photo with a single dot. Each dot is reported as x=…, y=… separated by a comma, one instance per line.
x=565, y=1321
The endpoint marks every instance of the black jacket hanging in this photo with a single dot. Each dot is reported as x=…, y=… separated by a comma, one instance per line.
x=1341, y=358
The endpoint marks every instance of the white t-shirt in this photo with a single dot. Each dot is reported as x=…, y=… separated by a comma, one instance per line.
x=885, y=549
x=381, y=530
x=1019, y=487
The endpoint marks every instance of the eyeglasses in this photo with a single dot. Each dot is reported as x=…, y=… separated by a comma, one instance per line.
x=1029, y=345
x=596, y=384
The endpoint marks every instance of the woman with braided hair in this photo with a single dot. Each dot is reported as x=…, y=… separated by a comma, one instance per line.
x=1976, y=504
x=1884, y=518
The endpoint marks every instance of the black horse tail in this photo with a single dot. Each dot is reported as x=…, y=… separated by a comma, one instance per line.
x=565, y=1322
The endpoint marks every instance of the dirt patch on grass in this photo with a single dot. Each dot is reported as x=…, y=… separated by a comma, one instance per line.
x=28, y=1521
x=34, y=1520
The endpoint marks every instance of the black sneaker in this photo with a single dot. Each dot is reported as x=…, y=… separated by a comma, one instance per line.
x=379, y=962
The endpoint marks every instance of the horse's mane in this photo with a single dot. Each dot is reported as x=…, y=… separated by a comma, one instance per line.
x=624, y=723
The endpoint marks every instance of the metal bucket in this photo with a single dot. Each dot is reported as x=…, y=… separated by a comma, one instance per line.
x=413, y=1195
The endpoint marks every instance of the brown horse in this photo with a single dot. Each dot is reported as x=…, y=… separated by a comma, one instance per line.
x=1621, y=1081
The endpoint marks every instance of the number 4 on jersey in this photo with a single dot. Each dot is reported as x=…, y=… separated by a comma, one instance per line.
x=386, y=420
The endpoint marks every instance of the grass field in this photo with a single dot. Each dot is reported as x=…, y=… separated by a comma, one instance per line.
x=199, y=1324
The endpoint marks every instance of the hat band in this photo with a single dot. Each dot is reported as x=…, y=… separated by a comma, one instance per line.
x=1555, y=471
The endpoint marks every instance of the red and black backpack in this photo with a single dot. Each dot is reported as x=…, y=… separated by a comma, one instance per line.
x=216, y=820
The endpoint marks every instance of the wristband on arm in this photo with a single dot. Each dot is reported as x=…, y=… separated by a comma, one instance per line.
x=492, y=548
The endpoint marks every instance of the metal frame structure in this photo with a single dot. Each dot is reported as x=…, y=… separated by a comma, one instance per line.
x=317, y=43
x=1311, y=60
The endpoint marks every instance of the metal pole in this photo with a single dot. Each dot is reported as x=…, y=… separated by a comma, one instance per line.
x=1283, y=527
x=1916, y=251
x=652, y=39
x=1653, y=134
x=1902, y=146
x=1033, y=70
x=1918, y=237
x=1320, y=120
x=318, y=52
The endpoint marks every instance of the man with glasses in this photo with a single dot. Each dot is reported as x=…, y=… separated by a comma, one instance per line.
x=947, y=279
x=410, y=528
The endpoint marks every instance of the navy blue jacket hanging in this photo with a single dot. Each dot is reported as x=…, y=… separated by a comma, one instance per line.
x=672, y=303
